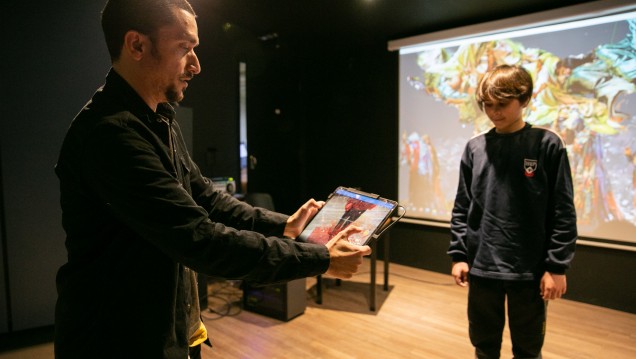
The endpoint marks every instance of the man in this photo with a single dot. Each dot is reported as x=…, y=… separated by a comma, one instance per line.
x=141, y=219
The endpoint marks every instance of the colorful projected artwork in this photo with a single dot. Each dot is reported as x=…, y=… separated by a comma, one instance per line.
x=584, y=89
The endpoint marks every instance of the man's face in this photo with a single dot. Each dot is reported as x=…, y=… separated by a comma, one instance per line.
x=173, y=61
x=505, y=115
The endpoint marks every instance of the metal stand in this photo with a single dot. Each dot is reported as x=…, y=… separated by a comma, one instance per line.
x=372, y=289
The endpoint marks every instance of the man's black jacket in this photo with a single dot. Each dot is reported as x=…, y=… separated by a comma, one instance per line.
x=139, y=216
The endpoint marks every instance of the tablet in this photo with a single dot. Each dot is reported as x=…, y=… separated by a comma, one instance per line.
x=346, y=206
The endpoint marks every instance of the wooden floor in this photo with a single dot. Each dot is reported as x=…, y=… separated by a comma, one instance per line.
x=423, y=315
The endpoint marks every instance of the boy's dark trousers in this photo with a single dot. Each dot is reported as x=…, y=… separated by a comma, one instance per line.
x=486, y=317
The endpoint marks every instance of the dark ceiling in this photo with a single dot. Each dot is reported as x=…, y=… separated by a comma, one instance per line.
x=345, y=20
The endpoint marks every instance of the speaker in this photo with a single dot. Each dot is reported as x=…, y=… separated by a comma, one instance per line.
x=283, y=301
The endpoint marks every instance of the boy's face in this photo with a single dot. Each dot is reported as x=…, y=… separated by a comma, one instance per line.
x=507, y=116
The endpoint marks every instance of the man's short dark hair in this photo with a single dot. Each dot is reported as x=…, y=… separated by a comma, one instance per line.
x=145, y=16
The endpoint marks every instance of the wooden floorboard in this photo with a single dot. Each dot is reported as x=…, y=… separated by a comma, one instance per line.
x=422, y=315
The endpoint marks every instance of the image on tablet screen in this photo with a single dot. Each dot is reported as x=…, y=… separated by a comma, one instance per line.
x=343, y=209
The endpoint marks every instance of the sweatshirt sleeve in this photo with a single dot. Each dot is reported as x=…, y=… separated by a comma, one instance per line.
x=457, y=249
x=562, y=220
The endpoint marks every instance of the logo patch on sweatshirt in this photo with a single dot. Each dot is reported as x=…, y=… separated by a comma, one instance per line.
x=529, y=166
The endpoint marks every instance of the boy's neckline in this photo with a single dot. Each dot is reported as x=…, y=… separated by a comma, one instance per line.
x=525, y=125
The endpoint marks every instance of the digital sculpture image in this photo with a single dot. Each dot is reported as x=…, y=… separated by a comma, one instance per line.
x=584, y=89
x=342, y=210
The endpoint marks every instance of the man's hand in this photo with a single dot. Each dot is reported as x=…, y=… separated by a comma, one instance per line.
x=460, y=273
x=553, y=286
x=345, y=257
x=297, y=221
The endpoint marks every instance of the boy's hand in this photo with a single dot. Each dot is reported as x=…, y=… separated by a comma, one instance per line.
x=460, y=273
x=553, y=286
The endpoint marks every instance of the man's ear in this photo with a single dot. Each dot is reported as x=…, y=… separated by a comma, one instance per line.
x=135, y=44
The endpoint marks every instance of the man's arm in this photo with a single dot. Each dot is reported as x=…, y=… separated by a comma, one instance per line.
x=127, y=171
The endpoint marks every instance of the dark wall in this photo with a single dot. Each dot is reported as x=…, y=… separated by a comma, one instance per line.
x=350, y=131
x=56, y=61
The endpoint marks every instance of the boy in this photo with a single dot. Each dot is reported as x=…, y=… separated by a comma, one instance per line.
x=513, y=224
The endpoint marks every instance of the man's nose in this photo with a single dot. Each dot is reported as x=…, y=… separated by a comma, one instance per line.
x=194, y=65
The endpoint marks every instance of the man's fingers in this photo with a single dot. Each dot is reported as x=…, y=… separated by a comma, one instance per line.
x=346, y=257
x=366, y=250
x=350, y=230
x=344, y=235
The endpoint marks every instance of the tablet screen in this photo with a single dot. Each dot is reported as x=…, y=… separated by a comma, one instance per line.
x=343, y=208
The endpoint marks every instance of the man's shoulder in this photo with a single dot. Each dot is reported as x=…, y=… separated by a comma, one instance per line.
x=98, y=121
x=103, y=110
x=114, y=102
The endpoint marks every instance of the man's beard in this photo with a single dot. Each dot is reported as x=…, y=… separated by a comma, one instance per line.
x=172, y=95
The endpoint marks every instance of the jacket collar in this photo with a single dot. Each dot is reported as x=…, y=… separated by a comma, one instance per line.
x=117, y=86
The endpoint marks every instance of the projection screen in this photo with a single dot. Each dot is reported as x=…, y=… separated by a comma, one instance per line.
x=583, y=62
